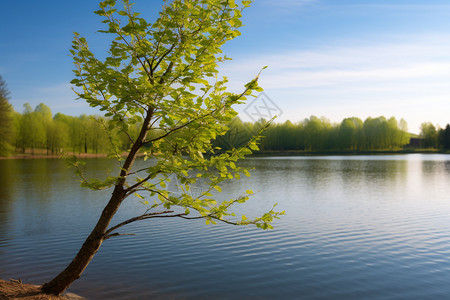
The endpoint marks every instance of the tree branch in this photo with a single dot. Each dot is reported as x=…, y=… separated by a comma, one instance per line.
x=141, y=217
x=108, y=234
x=137, y=171
x=130, y=190
x=164, y=55
x=116, y=234
x=181, y=126
x=183, y=216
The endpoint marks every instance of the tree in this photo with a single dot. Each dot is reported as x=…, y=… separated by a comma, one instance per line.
x=25, y=135
x=32, y=128
x=6, y=121
x=444, y=137
x=287, y=130
x=393, y=133
x=347, y=134
x=429, y=135
x=43, y=115
x=163, y=76
x=404, y=135
x=237, y=136
x=57, y=135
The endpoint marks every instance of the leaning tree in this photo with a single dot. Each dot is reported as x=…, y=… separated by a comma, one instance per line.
x=6, y=121
x=163, y=76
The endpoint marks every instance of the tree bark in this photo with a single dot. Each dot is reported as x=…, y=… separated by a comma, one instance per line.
x=93, y=242
x=74, y=270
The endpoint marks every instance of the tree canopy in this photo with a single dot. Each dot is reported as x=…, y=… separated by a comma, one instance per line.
x=163, y=75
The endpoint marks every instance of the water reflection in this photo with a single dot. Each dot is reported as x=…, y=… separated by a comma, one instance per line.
x=356, y=227
x=8, y=180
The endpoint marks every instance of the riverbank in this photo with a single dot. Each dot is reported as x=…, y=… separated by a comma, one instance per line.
x=15, y=289
x=32, y=156
x=343, y=153
x=260, y=153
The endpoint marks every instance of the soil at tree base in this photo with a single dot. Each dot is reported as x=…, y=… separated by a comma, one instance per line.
x=13, y=289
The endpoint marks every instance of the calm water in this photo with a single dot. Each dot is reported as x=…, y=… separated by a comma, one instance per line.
x=357, y=227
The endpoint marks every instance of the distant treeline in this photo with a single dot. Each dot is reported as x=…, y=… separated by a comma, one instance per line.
x=319, y=134
x=38, y=129
x=435, y=137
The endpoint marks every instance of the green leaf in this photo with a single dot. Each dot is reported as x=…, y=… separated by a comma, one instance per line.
x=246, y=3
x=169, y=121
x=164, y=76
x=139, y=196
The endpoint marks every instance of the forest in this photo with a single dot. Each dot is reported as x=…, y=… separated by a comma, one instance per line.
x=38, y=131
x=351, y=135
x=434, y=137
x=316, y=134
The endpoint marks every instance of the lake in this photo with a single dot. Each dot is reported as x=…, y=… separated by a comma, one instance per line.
x=356, y=227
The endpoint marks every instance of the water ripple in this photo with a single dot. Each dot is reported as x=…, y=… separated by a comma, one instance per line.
x=356, y=228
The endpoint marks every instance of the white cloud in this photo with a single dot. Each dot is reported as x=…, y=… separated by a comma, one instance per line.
x=288, y=3
x=58, y=89
x=422, y=55
x=287, y=6
x=403, y=6
x=59, y=97
x=405, y=77
x=369, y=76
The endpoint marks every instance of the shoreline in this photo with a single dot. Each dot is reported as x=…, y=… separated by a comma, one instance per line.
x=260, y=153
x=50, y=156
x=348, y=153
x=16, y=289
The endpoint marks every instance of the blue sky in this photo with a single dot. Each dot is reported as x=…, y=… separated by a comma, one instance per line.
x=332, y=58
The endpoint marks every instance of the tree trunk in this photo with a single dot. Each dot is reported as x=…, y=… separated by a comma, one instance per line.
x=74, y=270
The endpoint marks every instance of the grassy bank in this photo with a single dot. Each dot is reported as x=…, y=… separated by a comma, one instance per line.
x=42, y=154
x=373, y=152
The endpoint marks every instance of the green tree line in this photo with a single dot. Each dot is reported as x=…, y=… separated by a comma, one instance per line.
x=434, y=137
x=319, y=134
x=38, y=131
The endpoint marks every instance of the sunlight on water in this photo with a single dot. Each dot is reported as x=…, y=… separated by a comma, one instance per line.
x=357, y=227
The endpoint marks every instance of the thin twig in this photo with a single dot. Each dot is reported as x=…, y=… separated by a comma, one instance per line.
x=141, y=217
x=117, y=234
